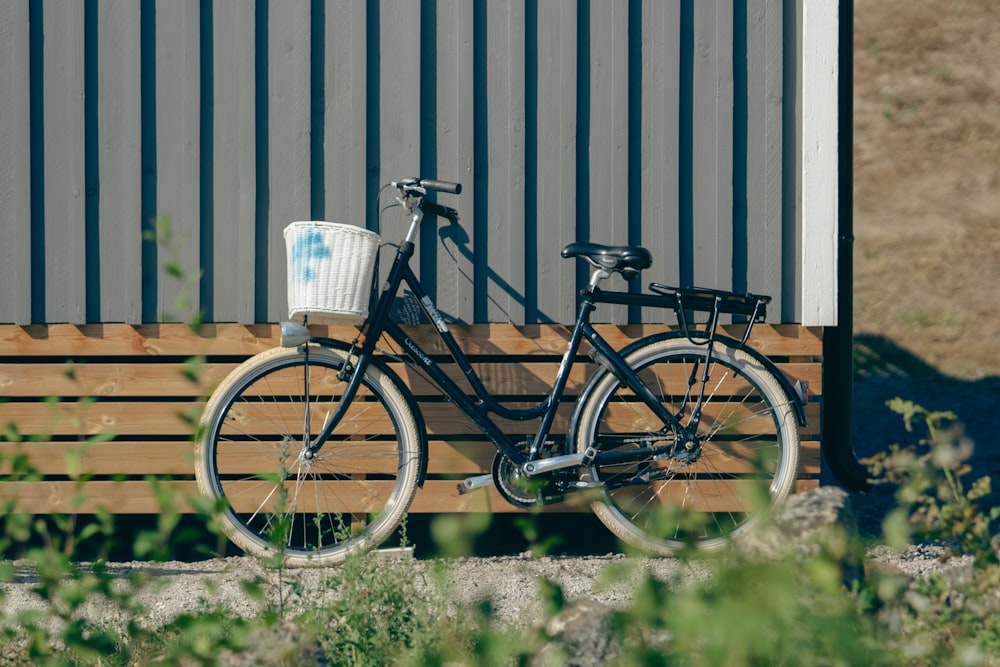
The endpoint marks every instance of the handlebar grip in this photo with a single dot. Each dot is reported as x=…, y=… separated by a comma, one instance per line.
x=437, y=209
x=442, y=186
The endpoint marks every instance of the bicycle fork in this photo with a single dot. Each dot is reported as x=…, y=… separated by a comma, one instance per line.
x=298, y=335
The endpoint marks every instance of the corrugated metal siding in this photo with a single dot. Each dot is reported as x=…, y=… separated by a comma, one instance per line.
x=654, y=122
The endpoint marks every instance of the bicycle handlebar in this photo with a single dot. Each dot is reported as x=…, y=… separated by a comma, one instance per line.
x=442, y=186
x=430, y=184
x=413, y=191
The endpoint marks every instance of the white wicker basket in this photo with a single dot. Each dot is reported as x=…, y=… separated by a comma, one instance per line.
x=329, y=271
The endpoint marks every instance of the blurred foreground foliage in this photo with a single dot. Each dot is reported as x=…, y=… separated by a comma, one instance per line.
x=809, y=606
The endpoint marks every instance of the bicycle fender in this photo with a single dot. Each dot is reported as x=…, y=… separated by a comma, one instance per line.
x=404, y=391
x=783, y=381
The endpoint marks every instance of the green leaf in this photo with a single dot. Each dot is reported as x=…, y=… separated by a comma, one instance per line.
x=10, y=433
x=552, y=596
x=253, y=590
x=173, y=269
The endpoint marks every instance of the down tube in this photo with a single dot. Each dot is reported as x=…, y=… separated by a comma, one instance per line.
x=455, y=393
x=487, y=401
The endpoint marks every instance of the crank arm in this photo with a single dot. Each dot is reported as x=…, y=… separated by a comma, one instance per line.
x=470, y=484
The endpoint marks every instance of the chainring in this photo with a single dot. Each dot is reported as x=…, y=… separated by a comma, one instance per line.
x=517, y=488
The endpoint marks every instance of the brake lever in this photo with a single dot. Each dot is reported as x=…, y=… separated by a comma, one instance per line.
x=409, y=195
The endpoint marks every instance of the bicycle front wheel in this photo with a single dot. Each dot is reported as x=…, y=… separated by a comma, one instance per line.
x=277, y=501
x=747, y=459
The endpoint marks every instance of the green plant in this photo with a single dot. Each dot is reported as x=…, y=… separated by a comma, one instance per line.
x=64, y=557
x=377, y=615
x=949, y=619
x=186, y=279
x=934, y=501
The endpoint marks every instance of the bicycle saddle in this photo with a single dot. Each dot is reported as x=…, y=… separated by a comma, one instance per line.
x=627, y=260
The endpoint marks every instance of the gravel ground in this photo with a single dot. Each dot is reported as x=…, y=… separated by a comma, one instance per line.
x=508, y=581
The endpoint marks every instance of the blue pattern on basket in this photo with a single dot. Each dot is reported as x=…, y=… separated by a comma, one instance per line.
x=308, y=247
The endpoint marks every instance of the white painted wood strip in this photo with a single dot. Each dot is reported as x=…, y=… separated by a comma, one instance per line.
x=179, y=160
x=556, y=159
x=399, y=105
x=15, y=163
x=234, y=184
x=454, y=129
x=345, y=165
x=712, y=170
x=119, y=133
x=609, y=150
x=65, y=195
x=289, y=150
x=504, y=247
x=819, y=205
x=660, y=145
x=764, y=149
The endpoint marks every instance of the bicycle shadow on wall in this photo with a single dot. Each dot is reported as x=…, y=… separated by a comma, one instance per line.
x=492, y=361
x=885, y=370
x=408, y=311
x=459, y=238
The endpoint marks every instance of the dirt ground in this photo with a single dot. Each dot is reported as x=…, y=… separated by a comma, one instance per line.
x=927, y=217
x=927, y=180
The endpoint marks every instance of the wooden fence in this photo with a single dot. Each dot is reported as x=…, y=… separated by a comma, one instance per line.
x=96, y=409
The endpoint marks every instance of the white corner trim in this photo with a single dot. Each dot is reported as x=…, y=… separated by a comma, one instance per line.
x=819, y=205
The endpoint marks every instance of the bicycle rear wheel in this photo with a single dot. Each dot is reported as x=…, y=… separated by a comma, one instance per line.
x=748, y=456
x=349, y=498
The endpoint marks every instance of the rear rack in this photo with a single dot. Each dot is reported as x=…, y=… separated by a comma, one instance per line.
x=685, y=301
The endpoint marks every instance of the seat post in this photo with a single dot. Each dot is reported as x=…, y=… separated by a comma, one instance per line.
x=596, y=277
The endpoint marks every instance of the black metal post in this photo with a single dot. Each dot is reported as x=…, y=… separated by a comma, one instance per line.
x=838, y=341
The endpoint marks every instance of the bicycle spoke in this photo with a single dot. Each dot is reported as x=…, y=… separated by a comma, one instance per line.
x=255, y=458
x=742, y=434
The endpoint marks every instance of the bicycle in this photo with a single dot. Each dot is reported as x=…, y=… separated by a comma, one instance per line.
x=316, y=448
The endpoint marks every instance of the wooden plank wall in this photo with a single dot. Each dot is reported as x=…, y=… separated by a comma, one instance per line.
x=113, y=404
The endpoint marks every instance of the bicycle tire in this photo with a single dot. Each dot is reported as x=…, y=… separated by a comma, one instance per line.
x=748, y=434
x=348, y=499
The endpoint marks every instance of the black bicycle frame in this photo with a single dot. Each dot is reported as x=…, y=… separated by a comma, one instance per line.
x=479, y=410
